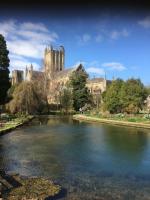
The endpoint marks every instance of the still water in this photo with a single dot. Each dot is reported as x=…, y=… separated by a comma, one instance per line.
x=91, y=161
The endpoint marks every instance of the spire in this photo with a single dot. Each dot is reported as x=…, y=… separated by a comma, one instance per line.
x=26, y=70
x=62, y=48
x=105, y=75
x=31, y=67
x=46, y=50
x=51, y=47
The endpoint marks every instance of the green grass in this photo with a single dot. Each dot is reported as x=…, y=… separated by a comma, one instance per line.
x=136, y=118
x=14, y=123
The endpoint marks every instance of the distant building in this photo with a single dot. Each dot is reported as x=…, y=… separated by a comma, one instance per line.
x=56, y=74
x=17, y=76
x=31, y=74
x=97, y=85
x=54, y=60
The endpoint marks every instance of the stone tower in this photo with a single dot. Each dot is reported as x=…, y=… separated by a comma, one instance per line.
x=54, y=59
x=17, y=76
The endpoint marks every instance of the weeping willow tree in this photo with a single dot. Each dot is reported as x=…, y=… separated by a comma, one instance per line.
x=25, y=99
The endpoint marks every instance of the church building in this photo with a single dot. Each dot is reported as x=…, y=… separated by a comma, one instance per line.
x=57, y=75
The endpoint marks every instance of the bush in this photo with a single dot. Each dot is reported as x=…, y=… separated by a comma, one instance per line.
x=146, y=116
x=132, y=120
x=120, y=115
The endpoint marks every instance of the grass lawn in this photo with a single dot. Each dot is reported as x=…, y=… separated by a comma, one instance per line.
x=127, y=118
x=4, y=126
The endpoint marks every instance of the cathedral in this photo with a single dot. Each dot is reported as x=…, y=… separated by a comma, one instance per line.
x=56, y=74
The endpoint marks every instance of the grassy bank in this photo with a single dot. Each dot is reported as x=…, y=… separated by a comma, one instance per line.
x=14, y=123
x=127, y=121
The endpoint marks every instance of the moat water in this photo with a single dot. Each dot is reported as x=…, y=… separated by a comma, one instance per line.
x=91, y=161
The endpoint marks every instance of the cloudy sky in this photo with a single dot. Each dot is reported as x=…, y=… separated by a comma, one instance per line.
x=111, y=41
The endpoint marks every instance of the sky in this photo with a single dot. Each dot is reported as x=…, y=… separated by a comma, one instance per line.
x=107, y=40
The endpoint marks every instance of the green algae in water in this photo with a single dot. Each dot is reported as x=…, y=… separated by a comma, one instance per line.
x=34, y=188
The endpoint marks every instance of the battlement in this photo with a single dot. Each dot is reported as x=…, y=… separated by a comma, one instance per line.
x=54, y=48
x=54, y=59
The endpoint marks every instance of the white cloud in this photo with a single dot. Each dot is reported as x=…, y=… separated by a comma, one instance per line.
x=95, y=70
x=26, y=40
x=91, y=67
x=94, y=63
x=114, y=66
x=33, y=26
x=145, y=22
x=25, y=48
x=84, y=39
x=99, y=38
x=115, y=34
x=7, y=27
x=21, y=63
x=125, y=33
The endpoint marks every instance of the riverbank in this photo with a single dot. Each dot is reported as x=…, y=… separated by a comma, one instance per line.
x=11, y=125
x=111, y=121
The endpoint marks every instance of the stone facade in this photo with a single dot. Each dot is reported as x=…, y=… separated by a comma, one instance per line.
x=17, y=77
x=54, y=60
x=57, y=76
x=31, y=75
x=58, y=82
x=97, y=85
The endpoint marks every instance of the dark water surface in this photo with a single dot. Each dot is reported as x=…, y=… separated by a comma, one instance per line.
x=92, y=161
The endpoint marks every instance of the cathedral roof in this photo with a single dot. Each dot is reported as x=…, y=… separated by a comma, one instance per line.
x=95, y=80
x=67, y=72
x=63, y=73
x=37, y=75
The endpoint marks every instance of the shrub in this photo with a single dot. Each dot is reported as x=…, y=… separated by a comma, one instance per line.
x=120, y=115
x=146, y=116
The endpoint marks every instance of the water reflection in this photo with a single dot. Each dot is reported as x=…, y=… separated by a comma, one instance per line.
x=128, y=143
x=90, y=160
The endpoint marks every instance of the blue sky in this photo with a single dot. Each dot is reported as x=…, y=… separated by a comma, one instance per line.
x=112, y=43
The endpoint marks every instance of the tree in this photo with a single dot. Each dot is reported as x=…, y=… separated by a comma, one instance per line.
x=133, y=93
x=126, y=96
x=80, y=92
x=111, y=97
x=25, y=99
x=42, y=92
x=66, y=99
x=4, y=71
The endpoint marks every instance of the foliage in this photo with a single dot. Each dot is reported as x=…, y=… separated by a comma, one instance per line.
x=133, y=94
x=125, y=96
x=80, y=92
x=148, y=90
x=4, y=71
x=146, y=116
x=66, y=99
x=11, y=91
x=25, y=99
x=119, y=115
x=111, y=97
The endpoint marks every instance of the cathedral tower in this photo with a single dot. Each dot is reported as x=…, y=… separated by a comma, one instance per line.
x=54, y=59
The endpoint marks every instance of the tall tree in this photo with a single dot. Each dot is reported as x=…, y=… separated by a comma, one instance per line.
x=25, y=99
x=111, y=96
x=80, y=92
x=66, y=99
x=4, y=70
x=125, y=96
x=133, y=93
